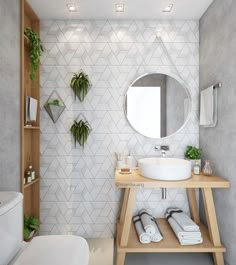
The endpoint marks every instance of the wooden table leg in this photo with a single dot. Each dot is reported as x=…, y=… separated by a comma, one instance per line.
x=124, y=205
x=127, y=214
x=193, y=205
x=212, y=223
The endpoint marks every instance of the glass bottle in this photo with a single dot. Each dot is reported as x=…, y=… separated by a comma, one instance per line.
x=196, y=168
x=207, y=171
x=32, y=173
x=29, y=179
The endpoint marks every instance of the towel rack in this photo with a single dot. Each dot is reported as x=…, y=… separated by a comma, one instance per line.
x=218, y=85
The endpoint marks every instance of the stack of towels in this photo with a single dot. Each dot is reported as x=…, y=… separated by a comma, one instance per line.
x=185, y=229
x=146, y=227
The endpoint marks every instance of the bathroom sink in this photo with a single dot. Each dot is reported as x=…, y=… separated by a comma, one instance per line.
x=160, y=168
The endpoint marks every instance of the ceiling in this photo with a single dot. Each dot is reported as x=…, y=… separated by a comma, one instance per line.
x=134, y=9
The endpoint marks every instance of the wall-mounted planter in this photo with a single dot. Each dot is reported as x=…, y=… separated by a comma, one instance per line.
x=54, y=106
x=80, y=131
x=80, y=85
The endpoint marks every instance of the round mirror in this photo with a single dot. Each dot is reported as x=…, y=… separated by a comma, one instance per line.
x=157, y=105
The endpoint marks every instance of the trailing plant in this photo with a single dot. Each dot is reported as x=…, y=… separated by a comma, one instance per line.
x=36, y=49
x=80, y=84
x=31, y=224
x=54, y=102
x=80, y=132
x=193, y=153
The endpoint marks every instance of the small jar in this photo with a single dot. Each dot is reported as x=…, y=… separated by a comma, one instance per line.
x=196, y=168
x=207, y=170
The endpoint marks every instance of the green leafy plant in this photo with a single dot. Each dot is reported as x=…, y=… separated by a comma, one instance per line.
x=193, y=153
x=80, y=132
x=54, y=102
x=31, y=224
x=36, y=49
x=80, y=84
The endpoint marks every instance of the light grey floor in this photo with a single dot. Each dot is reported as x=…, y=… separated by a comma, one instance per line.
x=103, y=250
x=168, y=259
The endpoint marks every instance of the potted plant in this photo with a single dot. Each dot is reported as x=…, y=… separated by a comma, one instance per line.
x=193, y=154
x=80, y=84
x=80, y=132
x=31, y=227
x=36, y=49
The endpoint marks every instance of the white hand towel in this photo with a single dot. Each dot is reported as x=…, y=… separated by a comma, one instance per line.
x=180, y=233
x=189, y=242
x=208, y=107
x=144, y=238
x=147, y=222
x=185, y=238
x=183, y=220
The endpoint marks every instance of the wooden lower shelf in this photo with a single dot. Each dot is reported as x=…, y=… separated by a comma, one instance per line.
x=169, y=244
x=31, y=127
x=31, y=183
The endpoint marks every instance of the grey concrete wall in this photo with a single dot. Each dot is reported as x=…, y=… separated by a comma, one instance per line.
x=9, y=95
x=218, y=63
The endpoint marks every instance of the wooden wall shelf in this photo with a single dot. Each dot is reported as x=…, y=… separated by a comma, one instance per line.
x=31, y=128
x=31, y=183
x=30, y=136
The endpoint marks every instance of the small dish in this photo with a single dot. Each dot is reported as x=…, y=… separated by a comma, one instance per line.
x=125, y=172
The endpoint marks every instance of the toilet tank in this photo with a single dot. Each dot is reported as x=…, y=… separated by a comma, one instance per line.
x=11, y=225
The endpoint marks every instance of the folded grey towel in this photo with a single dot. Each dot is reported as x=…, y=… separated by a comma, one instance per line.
x=147, y=222
x=183, y=220
x=185, y=238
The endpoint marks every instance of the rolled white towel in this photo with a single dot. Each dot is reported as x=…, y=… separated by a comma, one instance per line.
x=144, y=238
x=157, y=237
x=185, y=238
x=183, y=220
x=147, y=221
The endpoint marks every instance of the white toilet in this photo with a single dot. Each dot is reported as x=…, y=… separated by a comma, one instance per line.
x=42, y=250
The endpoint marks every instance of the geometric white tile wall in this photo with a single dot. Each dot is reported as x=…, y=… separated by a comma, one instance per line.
x=77, y=188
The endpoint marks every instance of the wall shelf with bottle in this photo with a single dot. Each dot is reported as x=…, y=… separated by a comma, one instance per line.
x=31, y=127
x=30, y=102
x=31, y=183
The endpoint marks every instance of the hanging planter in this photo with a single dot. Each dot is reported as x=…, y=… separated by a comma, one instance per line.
x=80, y=132
x=80, y=85
x=36, y=49
x=54, y=106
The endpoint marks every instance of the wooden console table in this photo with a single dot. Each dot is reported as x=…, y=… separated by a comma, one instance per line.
x=127, y=239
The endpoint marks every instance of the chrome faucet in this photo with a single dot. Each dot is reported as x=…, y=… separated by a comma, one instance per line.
x=162, y=148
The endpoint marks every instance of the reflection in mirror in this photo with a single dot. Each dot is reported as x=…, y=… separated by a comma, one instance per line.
x=157, y=105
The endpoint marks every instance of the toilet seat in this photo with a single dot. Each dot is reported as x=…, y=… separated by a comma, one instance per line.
x=55, y=250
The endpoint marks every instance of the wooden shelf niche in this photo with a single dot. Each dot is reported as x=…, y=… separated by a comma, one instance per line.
x=30, y=135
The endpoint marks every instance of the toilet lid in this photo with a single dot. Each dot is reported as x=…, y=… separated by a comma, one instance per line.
x=55, y=250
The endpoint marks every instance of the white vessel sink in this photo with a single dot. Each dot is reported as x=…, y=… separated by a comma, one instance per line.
x=161, y=168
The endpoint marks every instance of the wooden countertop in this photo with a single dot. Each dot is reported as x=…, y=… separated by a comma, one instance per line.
x=135, y=180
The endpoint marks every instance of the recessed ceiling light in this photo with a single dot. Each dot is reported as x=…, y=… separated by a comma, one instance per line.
x=120, y=8
x=72, y=7
x=167, y=8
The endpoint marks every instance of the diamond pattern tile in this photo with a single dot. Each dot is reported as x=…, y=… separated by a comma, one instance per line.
x=78, y=195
